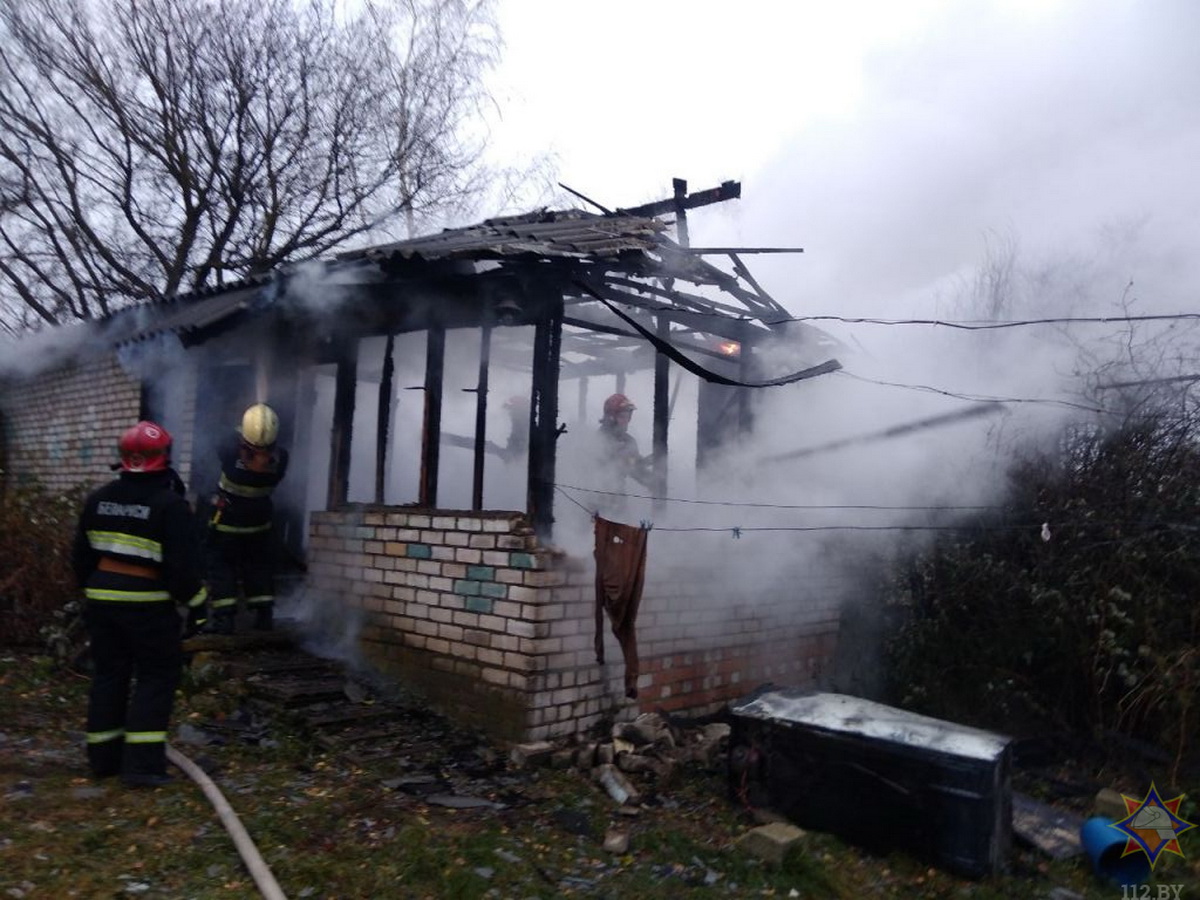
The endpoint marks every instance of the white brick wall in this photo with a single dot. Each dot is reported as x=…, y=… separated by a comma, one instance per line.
x=62, y=426
x=507, y=636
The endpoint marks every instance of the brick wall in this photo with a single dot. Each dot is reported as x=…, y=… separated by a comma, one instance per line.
x=61, y=426
x=452, y=602
x=498, y=631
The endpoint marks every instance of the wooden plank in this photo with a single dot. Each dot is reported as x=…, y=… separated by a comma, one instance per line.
x=1053, y=831
x=435, y=359
x=547, y=358
x=345, y=387
x=481, y=400
x=726, y=190
x=384, y=415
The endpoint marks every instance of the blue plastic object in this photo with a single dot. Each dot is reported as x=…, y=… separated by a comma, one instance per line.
x=1104, y=845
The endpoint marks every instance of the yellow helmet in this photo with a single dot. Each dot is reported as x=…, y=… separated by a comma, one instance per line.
x=260, y=426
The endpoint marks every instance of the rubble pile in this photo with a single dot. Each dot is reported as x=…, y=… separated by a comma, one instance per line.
x=638, y=756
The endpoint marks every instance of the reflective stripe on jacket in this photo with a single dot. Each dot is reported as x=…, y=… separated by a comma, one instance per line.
x=244, y=504
x=136, y=542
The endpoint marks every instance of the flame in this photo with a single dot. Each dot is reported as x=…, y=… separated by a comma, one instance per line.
x=730, y=348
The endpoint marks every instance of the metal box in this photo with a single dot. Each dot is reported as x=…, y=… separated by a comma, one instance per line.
x=877, y=776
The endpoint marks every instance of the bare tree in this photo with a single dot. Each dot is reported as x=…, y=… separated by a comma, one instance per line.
x=151, y=147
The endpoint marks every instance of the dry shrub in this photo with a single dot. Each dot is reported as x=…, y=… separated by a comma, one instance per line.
x=1089, y=627
x=36, y=583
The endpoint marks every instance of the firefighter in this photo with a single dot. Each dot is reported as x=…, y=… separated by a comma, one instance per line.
x=619, y=457
x=240, y=546
x=518, y=430
x=136, y=551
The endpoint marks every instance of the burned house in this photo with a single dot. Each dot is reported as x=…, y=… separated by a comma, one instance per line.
x=440, y=396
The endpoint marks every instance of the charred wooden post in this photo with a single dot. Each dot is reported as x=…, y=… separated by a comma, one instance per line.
x=662, y=414
x=383, y=428
x=547, y=349
x=345, y=386
x=681, y=206
x=481, y=401
x=662, y=365
x=431, y=432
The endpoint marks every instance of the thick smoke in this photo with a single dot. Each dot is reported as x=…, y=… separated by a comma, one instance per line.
x=32, y=353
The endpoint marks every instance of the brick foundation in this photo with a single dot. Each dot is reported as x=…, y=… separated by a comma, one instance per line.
x=498, y=631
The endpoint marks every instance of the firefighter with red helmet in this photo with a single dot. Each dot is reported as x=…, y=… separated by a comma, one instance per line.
x=619, y=456
x=135, y=556
x=241, y=551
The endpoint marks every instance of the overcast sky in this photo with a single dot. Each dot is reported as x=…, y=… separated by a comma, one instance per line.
x=893, y=141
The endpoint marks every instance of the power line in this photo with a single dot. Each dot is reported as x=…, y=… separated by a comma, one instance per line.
x=992, y=325
x=559, y=488
x=965, y=325
x=736, y=531
x=982, y=398
x=756, y=505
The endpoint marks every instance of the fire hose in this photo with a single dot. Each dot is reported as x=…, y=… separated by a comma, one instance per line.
x=259, y=870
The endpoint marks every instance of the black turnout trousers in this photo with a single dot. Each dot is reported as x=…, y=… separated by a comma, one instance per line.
x=134, y=645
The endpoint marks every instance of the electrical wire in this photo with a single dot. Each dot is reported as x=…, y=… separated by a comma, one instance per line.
x=559, y=488
x=738, y=530
x=755, y=505
x=991, y=325
x=977, y=397
x=966, y=325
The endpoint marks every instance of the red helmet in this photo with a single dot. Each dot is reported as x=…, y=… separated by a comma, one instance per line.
x=146, y=447
x=615, y=404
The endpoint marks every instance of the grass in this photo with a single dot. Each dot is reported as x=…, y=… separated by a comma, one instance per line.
x=329, y=829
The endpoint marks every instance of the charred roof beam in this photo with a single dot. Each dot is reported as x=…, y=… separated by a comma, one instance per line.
x=741, y=330
x=681, y=301
x=690, y=340
x=726, y=190
x=702, y=272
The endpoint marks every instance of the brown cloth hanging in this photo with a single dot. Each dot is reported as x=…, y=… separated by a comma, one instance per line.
x=620, y=572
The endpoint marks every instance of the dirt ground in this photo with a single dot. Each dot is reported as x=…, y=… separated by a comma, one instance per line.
x=329, y=826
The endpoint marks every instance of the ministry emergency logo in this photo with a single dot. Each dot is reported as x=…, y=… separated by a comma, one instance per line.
x=1153, y=825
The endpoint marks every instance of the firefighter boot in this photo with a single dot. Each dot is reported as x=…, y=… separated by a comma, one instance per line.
x=221, y=622
x=264, y=619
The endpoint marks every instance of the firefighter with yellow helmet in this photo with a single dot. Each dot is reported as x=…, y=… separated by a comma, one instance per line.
x=241, y=551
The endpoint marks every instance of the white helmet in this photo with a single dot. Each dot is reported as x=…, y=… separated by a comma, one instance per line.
x=260, y=426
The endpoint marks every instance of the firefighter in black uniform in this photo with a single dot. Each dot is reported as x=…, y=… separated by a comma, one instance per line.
x=240, y=548
x=136, y=554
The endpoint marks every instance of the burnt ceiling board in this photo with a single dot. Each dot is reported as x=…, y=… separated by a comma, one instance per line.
x=506, y=270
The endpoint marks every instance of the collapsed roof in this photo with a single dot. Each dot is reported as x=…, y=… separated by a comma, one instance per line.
x=503, y=271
